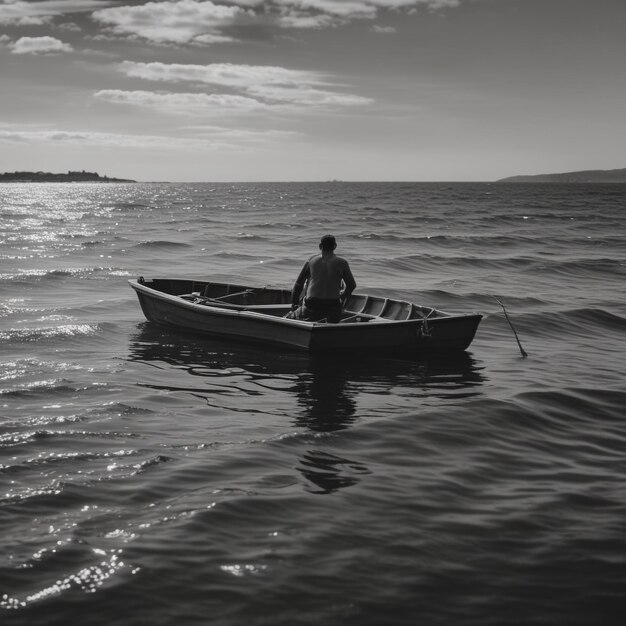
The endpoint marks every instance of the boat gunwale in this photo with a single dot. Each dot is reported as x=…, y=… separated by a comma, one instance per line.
x=238, y=313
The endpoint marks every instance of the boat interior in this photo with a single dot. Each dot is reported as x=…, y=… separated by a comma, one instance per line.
x=277, y=302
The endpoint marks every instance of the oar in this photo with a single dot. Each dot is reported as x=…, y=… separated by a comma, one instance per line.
x=524, y=354
x=219, y=303
x=220, y=300
x=232, y=295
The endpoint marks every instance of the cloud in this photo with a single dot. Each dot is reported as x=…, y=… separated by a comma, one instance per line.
x=196, y=104
x=205, y=138
x=226, y=74
x=181, y=21
x=383, y=30
x=352, y=9
x=208, y=22
x=271, y=84
x=39, y=45
x=69, y=26
x=327, y=13
x=436, y=5
x=300, y=19
x=240, y=134
x=402, y=4
x=306, y=96
x=22, y=13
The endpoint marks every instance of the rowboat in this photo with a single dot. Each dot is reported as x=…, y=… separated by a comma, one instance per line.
x=368, y=323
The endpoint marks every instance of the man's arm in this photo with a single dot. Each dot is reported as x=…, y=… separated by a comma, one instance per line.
x=349, y=283
x=305, y=272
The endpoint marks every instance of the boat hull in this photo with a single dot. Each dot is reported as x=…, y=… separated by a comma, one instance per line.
x=265, y=324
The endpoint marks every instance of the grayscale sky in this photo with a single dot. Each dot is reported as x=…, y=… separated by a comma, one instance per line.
x=280, y=90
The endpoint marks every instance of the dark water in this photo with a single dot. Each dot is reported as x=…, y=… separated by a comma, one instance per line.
x=151, y=477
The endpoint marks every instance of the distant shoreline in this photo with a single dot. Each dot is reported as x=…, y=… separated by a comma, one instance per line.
x=583, y=176
x=70, y=177
x=617, y=176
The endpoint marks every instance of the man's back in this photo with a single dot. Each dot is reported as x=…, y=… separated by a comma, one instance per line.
x=329, y=283
x=327, y=272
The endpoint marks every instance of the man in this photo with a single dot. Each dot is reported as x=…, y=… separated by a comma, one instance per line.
x=323, y=275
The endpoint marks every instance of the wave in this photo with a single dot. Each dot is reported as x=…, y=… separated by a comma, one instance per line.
x=588, y=267
x=87, y=578
x=14, y=257
x=275, y=226
x=30, y=335
x=484, y=242
x=161, y=244
x=25, y=437
x=429, y=263
x=489, y=243
x=37, y=276
x=51, y=387
x=567, y=322
x=119, y=409
x=52, y=459
x=127, y=206
x=579, y=404
x=76, y=484
x=36, y=387
x=14, y=215
x=439, y=298
x=599, y=317
x=10, y=370
x=226, y=254
x=18, y=438
x=250, y=237
x=93, y=243
x=525, y=431
x=39, y=422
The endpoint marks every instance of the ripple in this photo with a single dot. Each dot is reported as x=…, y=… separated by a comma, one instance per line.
x=87, y=579
x=24, y=335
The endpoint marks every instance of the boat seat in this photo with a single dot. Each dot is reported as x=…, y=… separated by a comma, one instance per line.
x=353, y=319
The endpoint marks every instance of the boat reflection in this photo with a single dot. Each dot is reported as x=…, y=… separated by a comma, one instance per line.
x=326, y=472
x=331, y=391
x=328, y=388
x=325, y=395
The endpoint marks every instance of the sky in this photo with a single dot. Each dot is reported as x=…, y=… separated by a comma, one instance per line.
x=312, y=90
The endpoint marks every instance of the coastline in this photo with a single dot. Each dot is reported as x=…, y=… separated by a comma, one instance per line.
x=69, y=177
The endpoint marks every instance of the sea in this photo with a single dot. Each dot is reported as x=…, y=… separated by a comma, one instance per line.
x=153, y=477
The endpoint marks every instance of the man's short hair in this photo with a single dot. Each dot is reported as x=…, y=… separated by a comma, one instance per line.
x=328, y=242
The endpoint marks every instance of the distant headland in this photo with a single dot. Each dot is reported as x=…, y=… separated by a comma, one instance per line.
x=584, y=176
x=70, y=177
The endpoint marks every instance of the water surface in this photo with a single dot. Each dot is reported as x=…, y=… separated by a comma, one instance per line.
x=153, y=477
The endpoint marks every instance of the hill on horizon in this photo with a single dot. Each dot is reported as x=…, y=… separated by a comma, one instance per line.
x=582, y=176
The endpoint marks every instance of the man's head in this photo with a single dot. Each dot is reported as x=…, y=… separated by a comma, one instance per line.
x=328, y=243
